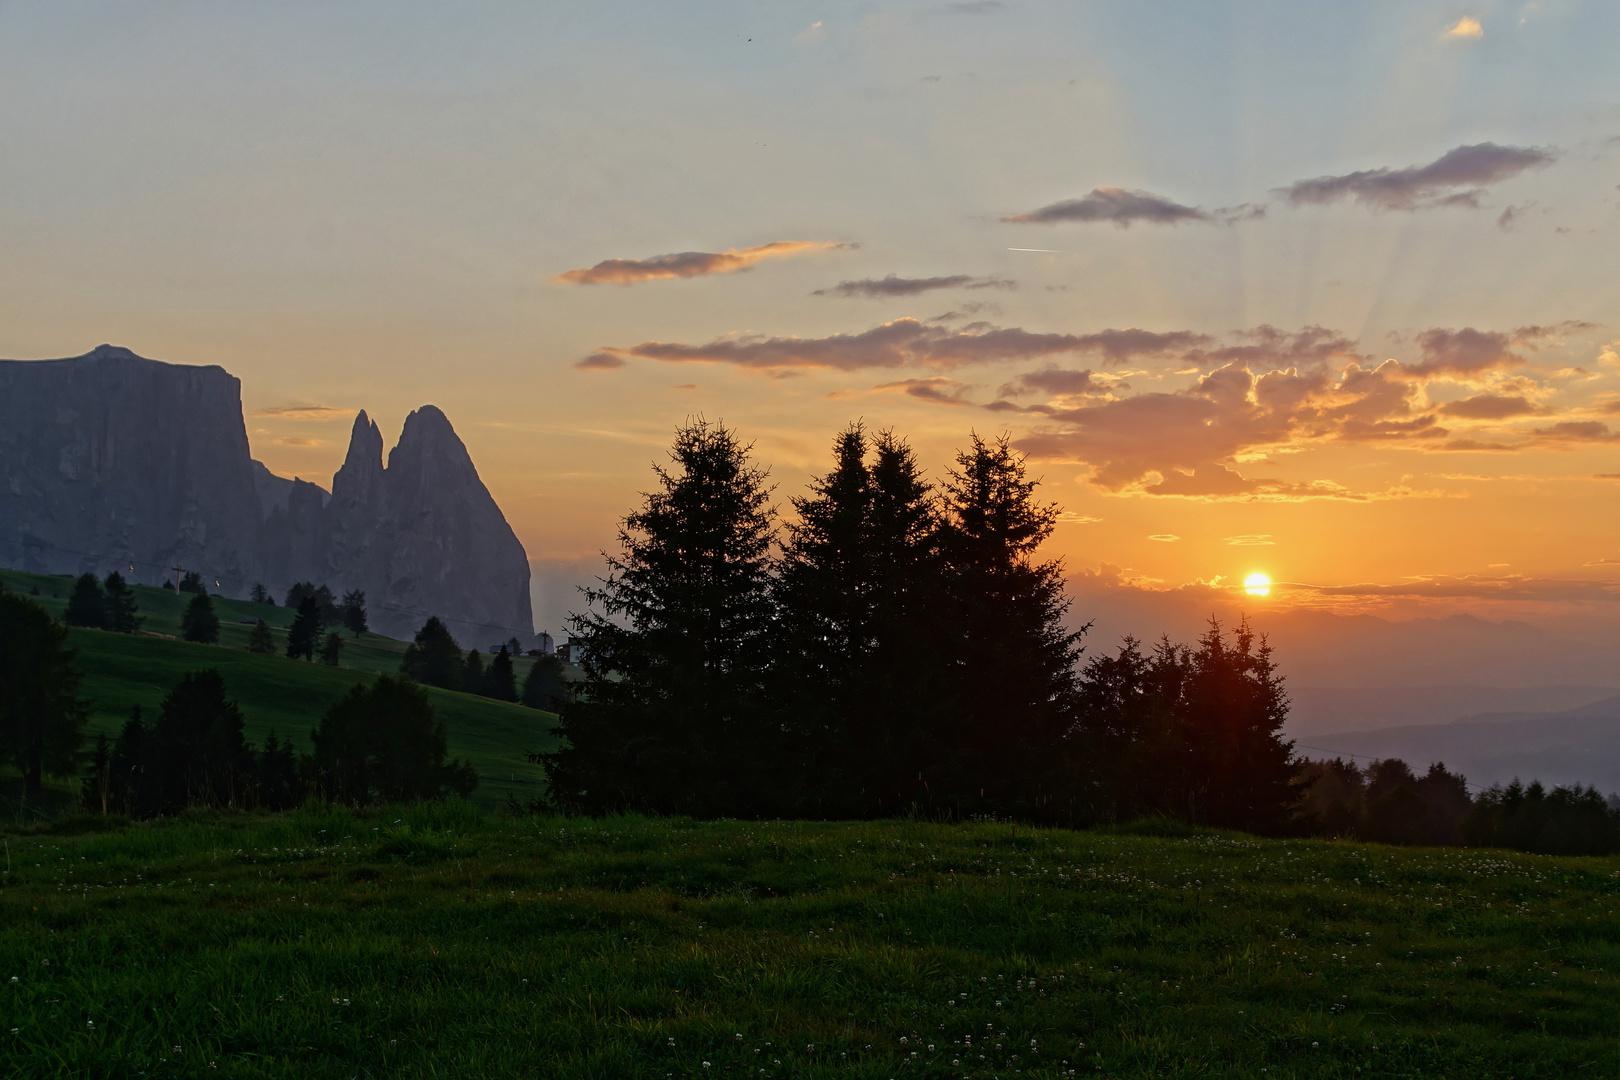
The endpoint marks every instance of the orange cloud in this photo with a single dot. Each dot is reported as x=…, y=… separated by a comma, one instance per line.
x=686, y=264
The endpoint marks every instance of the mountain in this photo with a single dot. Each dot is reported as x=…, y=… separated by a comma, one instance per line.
x=109, y=460
x=1579, y=745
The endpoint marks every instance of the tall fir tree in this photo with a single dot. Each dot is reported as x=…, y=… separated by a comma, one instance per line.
x=855, y=660
x=354, y=611
x=305, y=633
x=381, y=743
x=261, y=639
x=673, y=715
x=472, y=673
x=332, y=649
x=196, y=747
x=41, y=713
x=433, y=658
x=123, y=616
x=87, y=605
x=544, y=686
x=200, y=623
x=500, y=679
x=1005, y=744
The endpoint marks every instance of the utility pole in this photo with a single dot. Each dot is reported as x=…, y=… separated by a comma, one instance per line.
x=178, y=569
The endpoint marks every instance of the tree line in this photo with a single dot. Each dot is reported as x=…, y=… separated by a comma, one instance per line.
x=901, y=647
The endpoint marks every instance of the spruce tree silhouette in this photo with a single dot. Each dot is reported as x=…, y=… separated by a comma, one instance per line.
x=472, y=673
x=261, y=639
x=672, y=716
x=856, y=647
x=1013, y=687
x=544, y=687
x=199, y=623
x=381, y=743
x=87, y=606
x=42, y=717
x=354, y=611
x=433, y=658
x=305, y=632
x=195, y=751
x=122, y=614
x=500, y=681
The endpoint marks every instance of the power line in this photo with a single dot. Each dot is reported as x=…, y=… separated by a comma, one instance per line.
x=132, y=562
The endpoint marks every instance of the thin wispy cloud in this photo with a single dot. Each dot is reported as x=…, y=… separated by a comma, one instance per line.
x=1457, y=178
x=1116, y=206
x=937, y=389
x=1491, y=407
x=302, y=411
x=600, y=361
x=689, y=264
x=908, y=342
x=893, y=285
x=1250, y=540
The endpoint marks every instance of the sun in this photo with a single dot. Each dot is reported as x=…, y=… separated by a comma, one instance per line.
x=1257, y=585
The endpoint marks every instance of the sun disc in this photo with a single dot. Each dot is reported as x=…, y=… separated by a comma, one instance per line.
x=1257, y=585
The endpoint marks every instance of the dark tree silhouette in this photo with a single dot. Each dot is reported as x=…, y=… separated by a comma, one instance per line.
x=472, y=673
x=192, y=583
x=672, y=715
x=122, y=614
x=332, y=649
x=87, y=606
x=500, y=680
x=858, y=663
x=41, y=715
x=261, y=595
x=354, y=611
x=261, y=639
x=433, y=658
x=199, y=623
x=305, y=632
x=544, y=687
x=278, y=785
x=1012, y=659
x=380, y=743
x=195, y=752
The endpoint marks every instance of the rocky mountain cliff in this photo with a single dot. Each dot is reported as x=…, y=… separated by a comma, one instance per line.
x=110, y=459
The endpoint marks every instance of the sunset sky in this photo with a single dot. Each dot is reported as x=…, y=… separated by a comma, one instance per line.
x=1322, y=291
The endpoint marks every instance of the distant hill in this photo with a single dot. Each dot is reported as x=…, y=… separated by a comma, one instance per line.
x=277, y=694
x=1580, y=745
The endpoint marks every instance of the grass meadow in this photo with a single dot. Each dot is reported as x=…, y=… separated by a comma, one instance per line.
x=440, y=941
x=277, y=694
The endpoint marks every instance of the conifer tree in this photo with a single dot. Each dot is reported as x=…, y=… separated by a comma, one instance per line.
x=354, y=611
x=381, y=743
x=195, y=750
x=199, y=623
x=332, y=649
x=122, y=614
x=261, y=595
x=673, y=715
x=472, y=673
x=192, y=583
x=855, y=659
x=433, y=658
x=305, y=632
x=261, y=639
x=87, y=606
x=544, y=687
x=1013, y=660
x=500, y=681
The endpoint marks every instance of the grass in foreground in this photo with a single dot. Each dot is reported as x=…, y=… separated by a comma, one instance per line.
x=437, y=941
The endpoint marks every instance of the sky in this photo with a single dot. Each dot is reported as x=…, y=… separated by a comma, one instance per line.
x=1323, y=292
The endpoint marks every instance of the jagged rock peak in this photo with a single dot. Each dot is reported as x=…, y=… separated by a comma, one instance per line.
x=363, y=463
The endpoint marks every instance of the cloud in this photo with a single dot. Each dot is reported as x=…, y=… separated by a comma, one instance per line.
x=301, y=411
x=1074, y=517
x=1059, y=382
x=938, y=389
x=1507, y=587
x=1577, y=431
x=975, y=7
x=1468, y=352
x=1606, y=476
x=1490, y=407
x=1165, y=538
x=899, y=286
x=1114, y=205
x=1456, y=178
x=686, y=264
x=1470, y=446
x=600, y=361
x=906, y=342
x=296, y=440
x=1250, y=540
x=1466, y=27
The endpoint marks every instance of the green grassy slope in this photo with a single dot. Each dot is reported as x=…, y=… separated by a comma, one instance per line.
x=434, y=941
x=277, y=694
